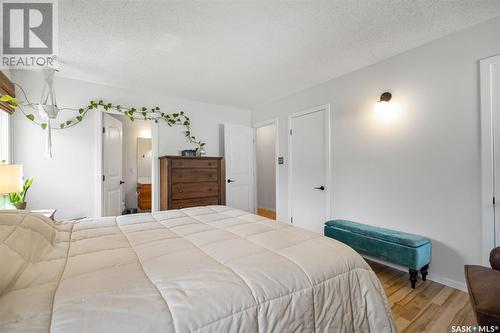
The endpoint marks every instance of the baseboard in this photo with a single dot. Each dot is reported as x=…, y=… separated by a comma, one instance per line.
x=433, y=277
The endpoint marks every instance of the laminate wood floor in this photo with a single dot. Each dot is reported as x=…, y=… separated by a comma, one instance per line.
x=266, y=213
x=430, y=307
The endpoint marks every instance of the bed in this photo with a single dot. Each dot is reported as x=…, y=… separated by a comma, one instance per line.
x=202, y=269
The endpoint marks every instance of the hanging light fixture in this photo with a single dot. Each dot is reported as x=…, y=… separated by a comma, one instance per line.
x=48, y=106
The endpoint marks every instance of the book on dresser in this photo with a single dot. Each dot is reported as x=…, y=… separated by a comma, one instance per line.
x=191, y=181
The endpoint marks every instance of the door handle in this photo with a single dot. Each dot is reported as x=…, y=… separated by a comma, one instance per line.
x=122, y=182
x=322, y=188
x=231, y=181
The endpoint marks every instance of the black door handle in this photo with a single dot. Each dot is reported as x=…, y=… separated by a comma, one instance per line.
x=122, y=182
x=231, y=181
x=322, y=188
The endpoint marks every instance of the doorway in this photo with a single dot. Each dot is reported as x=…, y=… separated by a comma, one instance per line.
x=126, y=157
x=266, y=164
x=309, y=168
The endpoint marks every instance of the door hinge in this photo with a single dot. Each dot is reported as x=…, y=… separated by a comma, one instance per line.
x=103, y=178
x=291, y=219
x=290, y=131
x=103, y=130
x=493, y=200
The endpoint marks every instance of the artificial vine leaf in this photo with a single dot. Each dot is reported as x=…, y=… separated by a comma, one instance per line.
x=151, y=114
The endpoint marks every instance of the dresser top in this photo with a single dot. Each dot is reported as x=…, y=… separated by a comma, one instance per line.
x=173, y=157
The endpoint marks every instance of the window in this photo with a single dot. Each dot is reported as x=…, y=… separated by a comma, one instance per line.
x=5, y=142
x=6, y=87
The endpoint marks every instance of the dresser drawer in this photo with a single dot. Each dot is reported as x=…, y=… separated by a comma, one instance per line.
x=186, y=203
x=193, y=175
x=193, y=163
x=194, y=190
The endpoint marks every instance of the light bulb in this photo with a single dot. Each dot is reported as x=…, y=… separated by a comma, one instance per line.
x=387, y=112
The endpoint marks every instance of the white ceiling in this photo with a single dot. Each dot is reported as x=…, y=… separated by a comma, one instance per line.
x=246, y=53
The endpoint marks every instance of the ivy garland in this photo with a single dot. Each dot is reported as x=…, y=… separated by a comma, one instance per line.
x=143, y=113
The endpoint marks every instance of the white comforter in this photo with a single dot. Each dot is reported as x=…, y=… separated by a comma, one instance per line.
x=206, y=269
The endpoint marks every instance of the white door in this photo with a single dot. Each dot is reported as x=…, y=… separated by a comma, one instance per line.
x=495, y=104
x=239, y=156
x=112, y=166
x=309, y=168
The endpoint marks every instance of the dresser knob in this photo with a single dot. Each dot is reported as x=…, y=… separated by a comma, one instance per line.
x=209, y=163
x=180, y=190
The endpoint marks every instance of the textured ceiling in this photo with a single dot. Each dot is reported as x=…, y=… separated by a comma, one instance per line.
x=245, y=53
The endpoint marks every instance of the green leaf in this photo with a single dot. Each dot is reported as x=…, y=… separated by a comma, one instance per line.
x=68, y=122
x=43, y=126
x=144, y=114
x=157, y=108
x=31, y=117
x=132, y=118
x=61, y=125
x=143, y=108
x=81, y=111
x=6, y=98
x=79, y=118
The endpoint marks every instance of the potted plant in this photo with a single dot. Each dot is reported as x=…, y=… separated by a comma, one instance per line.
x=17, y=198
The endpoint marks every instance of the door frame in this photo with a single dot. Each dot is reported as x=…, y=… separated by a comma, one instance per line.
x=275, y=122
x=487, y=158
x=98, y=184
x=328, y=154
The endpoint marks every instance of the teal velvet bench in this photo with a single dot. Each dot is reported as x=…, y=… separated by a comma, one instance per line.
x=401, y=248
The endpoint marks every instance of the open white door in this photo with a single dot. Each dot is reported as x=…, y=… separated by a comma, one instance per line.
x=112, y=166
x=239, y=156
x=309, y=168
x=495, y=109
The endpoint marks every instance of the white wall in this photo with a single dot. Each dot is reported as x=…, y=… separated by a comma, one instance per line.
x=421, y=174
x=266, y=171
x=66, y=181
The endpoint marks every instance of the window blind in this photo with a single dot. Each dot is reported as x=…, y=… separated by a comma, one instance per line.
x=6, y=87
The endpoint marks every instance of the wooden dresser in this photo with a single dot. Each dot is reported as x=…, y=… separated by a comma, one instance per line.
x=144, y=196
x=191, y=181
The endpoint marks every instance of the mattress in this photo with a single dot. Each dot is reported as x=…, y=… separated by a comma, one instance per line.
x=202, y=269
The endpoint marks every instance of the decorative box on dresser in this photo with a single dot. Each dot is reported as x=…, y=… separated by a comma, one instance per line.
x=191, y=181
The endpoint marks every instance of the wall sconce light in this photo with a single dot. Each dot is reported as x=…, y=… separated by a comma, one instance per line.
x=385, y=110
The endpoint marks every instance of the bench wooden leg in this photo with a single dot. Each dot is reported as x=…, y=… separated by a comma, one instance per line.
x=413, y=277
x=424, y=272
